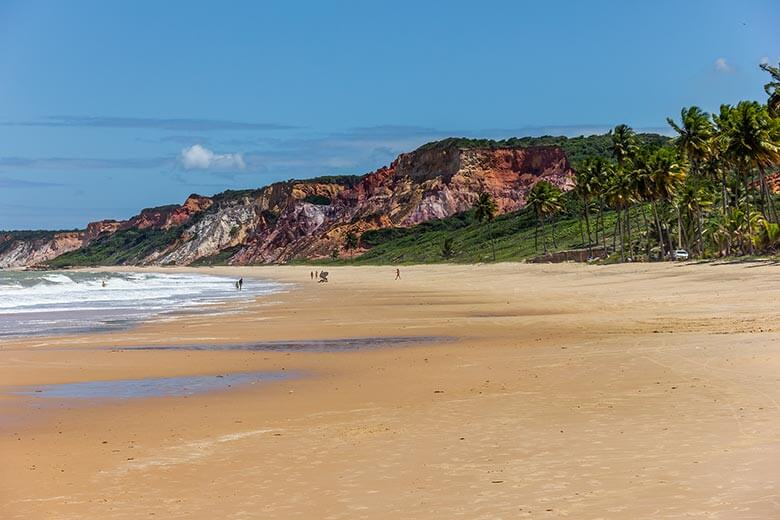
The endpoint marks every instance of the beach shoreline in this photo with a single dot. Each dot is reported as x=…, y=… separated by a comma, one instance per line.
x=627, y=391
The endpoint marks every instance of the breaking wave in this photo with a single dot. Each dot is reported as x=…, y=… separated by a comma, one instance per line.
x=51, y=303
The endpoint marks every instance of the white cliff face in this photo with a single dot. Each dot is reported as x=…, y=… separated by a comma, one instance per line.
x=17, y=255
x=292, y=233
x=22, y=253
x=310, y=217
x=215, y=231
x=437, y=205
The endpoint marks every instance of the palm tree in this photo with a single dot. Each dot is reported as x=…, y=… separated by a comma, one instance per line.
x=694, y=135
x=600, y=173
x=485, y=210
x=621, y=193
x=625, y=147
x=665, y=175
x=644, y=182
x=752, y=141
x=351, y=242
x=694, y=141
x=692, y=198
x=544, y=198
x=624, y=144
x=714, y=168
x=586, y=184
x=773, y=89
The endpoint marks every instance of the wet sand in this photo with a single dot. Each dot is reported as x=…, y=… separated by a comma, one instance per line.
x=562, y=391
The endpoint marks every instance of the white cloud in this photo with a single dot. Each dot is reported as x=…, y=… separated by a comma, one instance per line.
x=721, y=65
x=198, y=157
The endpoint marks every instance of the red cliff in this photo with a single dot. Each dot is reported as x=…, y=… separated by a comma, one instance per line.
x=310, y=218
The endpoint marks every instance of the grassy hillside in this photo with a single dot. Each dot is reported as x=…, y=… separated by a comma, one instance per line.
x=512, y=235
x=124, y=247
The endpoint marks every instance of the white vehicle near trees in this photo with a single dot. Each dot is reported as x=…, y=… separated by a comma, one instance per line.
x=680, y=254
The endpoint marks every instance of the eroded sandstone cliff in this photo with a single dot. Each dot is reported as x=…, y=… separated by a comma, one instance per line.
x=310, y=219
x=24, y=249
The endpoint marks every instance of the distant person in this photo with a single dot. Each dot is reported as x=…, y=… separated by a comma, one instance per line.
x=316, y=274
x=312, y=275
x=240, y=283
x=238, y=287
x=397, y=274
x=323, y=277
x=103, y=284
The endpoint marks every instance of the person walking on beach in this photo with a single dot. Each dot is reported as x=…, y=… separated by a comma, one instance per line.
x=316, y=274
x=312, y=274
x=397, y=274
x=240, y=283
x=237, y=287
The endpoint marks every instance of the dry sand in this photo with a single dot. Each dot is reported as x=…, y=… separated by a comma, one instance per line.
x=626, y=392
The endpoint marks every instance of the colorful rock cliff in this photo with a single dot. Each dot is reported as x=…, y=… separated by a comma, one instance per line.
x=310, y=218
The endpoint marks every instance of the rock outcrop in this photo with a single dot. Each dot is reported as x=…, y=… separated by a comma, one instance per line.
x=167, y=217
x=24, y=249
x=310, y=219
x=100, y=228
x=416, y=187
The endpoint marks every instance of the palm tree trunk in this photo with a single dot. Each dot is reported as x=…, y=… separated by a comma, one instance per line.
x=619, y=224
x=686, y=236
x=544, y=236
x=670, y=239
x=747, y=216
x=615, y=234
x=555, y=243
x=628, y=232
x=763, y=189
x=587, y=227
x=679, y=227
x=768, y=195
x=725, y=205
x=603, y=227
x=647, y=229
x=700, y=237
x=658, y=227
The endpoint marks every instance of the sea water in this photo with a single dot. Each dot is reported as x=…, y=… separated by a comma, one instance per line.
x=57, y=302
x=150, y=387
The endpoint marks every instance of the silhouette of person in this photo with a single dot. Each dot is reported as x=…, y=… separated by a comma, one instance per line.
x=240, y=283
x=312, y=275
x=397, y=274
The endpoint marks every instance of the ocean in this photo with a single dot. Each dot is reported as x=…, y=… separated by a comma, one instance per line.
x=57, y=302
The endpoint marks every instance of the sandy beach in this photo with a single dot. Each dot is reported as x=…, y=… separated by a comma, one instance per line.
x=637, y=391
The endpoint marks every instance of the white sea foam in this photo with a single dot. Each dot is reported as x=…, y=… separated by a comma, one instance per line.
x=47, y=302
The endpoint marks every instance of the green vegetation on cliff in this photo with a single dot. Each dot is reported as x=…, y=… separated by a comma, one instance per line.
x=576, y=148
x=463, y=239
x=350, y=181
x=319, y=200
x=125, y=247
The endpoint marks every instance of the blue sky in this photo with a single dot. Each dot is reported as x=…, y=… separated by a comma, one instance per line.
x=109, y=107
